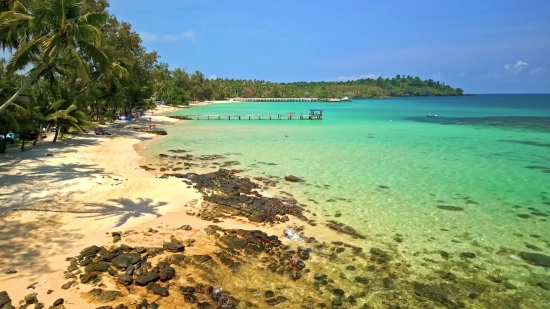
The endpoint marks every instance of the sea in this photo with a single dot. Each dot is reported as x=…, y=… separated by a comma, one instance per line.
x=473, y=179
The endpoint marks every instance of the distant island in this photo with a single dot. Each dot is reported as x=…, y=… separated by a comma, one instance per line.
x=178, y=87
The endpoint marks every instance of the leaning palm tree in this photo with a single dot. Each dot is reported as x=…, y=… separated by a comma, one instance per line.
x=53, y=31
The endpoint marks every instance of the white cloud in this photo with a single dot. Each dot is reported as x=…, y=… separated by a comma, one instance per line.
x=212, y=76
x=149, y=36
x=490, y=75
x=346, y=78
x=537, y=70
x=518, y=67
x=436, y=76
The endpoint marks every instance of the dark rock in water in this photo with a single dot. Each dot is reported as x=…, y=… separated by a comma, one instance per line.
x=533, y=247
x=205, y=305
x=190, y=298
x=167, y=273
x=337, y=302
x=435, y=293
x=380, y=256
x=147, y=278
x=292, y=178
x=122, y=261
x=536, y=259
x=173, y=245
x=186, y=227
x=388, y=283
x=540, y=214
x=524, y=216
x=49, y=292
x=125, y=279
x=451, y=208
x=350, y=267
x=106, y=307
x=145, y=305
x=269, y=294
x=338, y=292
x=58, y=302
x=5, y=300
x=275, y=301
x=449, y=276
x=362, y=280
x=9, y=272
x=97, y=267
x=85, y=278
x=89, y=253
x=545, y=285
x=199, y=258
x=130, y=270
x=444, y=254
x=66, y=286
x=468, y=255
x=342, y=228
x=109, y=256
x=233, y=242
x=157, y=289
x=31, y=298
x=107, y=296
x=140, y=250
x=39, y=306
x=187, y=289
x=320, y=276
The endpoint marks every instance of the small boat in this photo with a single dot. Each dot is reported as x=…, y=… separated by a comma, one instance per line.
x=431, y=115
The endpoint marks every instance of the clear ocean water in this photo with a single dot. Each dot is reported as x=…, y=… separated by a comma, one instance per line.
x=388, y=169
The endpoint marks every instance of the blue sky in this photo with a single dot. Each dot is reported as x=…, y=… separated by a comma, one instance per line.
x=486, y=46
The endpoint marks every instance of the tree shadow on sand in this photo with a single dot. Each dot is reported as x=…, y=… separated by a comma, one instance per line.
x=25, y=244
x=123, y=208
x=31, y=184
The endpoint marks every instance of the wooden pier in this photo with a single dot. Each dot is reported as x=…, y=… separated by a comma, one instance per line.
x=314, y=114
x=275, y=99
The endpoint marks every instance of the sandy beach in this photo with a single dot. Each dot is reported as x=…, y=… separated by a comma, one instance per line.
x=59, y=198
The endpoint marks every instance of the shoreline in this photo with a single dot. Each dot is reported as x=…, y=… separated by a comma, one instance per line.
x=170, y=212
x=65, y=220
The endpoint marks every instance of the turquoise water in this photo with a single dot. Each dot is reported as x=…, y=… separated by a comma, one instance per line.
x=386, y=167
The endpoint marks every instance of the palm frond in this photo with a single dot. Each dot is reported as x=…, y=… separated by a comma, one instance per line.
x=25, y=55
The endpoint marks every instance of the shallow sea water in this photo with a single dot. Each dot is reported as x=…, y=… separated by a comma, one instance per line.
x=385, y=168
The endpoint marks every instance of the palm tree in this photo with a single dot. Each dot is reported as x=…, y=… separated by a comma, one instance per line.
x=52, y=31
x=64, y=112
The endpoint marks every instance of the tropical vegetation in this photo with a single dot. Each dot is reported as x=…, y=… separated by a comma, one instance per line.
x=73, y=64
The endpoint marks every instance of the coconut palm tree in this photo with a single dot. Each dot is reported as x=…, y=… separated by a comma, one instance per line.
x=51, y=31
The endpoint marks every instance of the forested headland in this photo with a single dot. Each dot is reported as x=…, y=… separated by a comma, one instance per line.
x=178, y=86
x=82, y=66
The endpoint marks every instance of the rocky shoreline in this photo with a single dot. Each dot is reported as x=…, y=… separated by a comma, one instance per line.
x=217, y=267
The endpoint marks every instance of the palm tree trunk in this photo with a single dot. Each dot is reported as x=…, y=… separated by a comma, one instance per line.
x=56, y=133
x=23, y=145
x=24, y=87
